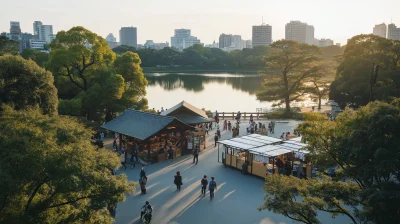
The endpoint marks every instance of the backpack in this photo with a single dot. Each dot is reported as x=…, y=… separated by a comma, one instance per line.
x=212, y=185
x=203, y=182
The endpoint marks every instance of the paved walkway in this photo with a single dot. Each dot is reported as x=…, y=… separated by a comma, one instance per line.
x=236, y=199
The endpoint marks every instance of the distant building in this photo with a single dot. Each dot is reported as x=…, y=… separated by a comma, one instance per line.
x=338, y=44
x=37, y=44
x=157, y=46
x=380, y=30
x=25, y=38
x=15, y=31
x=237, y=42
x=128, y=36
x=36, y=27
x=225, y=40
x=46, y=33
x=325, y=42
x=213, y=45
x=393, y=32
x=300, y=32
x=111, y=41
x=249, y=43
x=261, y=35
x=183, y=39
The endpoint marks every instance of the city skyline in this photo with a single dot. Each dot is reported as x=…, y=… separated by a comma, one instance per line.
x=207, y=20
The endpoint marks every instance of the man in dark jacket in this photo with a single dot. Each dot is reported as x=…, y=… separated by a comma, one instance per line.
x=215, y=139
x=196, y=154
x=204, y=183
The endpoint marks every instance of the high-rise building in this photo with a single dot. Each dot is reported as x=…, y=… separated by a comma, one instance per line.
x=393, y=32
x=182, y=39
x=300, y=32
x=36, y=27
x=380, y=30
x=325, y=42
x=46, y=33
x=213, y=45
x=225, y=40
x=261, y=35
x=237, y=42
x=15, y=31
x=128, y=36
x=37, y=44
x=111, y=41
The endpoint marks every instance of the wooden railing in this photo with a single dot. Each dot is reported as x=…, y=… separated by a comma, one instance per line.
x=244, y=115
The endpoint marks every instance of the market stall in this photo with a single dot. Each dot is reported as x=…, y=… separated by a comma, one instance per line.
x=153, y=135
x=263, y=155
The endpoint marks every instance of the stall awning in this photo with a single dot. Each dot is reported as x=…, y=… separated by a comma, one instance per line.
x=142, y=125
x=267, y=138
x=294, y=147
x=277, y=152
x=235, y=144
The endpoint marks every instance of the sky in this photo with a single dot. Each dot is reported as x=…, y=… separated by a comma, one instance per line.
x=156, y=20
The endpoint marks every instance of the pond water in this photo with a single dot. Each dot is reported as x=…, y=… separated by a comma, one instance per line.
x=222, y=92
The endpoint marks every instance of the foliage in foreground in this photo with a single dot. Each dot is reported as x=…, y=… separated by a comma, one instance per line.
x=50, y=172
x=365, y=147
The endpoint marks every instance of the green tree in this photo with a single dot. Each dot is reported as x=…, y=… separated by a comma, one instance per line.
x=8, y=46
x=364, y=146
x=123, y=49
x=76, y=53
x=295, y=64
x=24, y=84
x=353, y=77
x=319, y=90
x=37, y=56
x=51, y=173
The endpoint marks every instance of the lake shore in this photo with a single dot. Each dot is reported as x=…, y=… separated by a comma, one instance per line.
x=198, y=70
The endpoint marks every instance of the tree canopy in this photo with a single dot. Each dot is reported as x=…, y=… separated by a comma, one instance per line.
x=51, y=173
x=37, y=56
x=24, y=84
x=8, y=46
x=92, y=81
x=363, y=146
x=293, y=64
x=353, y=78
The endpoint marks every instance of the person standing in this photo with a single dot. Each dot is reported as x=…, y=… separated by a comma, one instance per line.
x=207, y=128
x=162, y=109
x=225, y=125
x=196, y=154
x=178, y=181
x=171, y=154
x=142, y=172
x=211, y=187
x=229, y=126
x=215, y=140
x=102, y=136
x=204, y=183
x=122, y=158
x=142, y=183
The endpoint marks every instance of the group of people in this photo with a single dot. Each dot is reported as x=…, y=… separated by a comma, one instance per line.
x=212, y=185
x=271, y=127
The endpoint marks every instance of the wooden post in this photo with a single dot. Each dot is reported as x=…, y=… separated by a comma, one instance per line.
x=245, y=115
x=233, y=115
x=223, y=115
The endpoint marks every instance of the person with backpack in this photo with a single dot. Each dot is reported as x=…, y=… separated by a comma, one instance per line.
x=178, y=181
x=196, y=154
x=204, y=183
x=142, y=183
x=211, y=187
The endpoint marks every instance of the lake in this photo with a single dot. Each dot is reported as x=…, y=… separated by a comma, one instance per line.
x=222, y=92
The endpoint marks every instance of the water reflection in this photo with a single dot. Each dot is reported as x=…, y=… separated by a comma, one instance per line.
x=249, y=83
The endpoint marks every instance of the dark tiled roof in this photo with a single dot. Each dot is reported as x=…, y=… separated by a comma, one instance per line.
x=187, y=105
x=191, y=119
x=138, y=124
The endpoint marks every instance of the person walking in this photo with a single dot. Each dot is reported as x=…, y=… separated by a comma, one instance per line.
x=196, y=154
x=142, y=172
x=178, y=181
x=229, y=126
x=225, y=125
x=215, y=139
x=204, y=183
x=142, y=183
x=211, y=187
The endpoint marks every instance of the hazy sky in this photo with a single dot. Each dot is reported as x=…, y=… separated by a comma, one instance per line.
x=157, y=19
